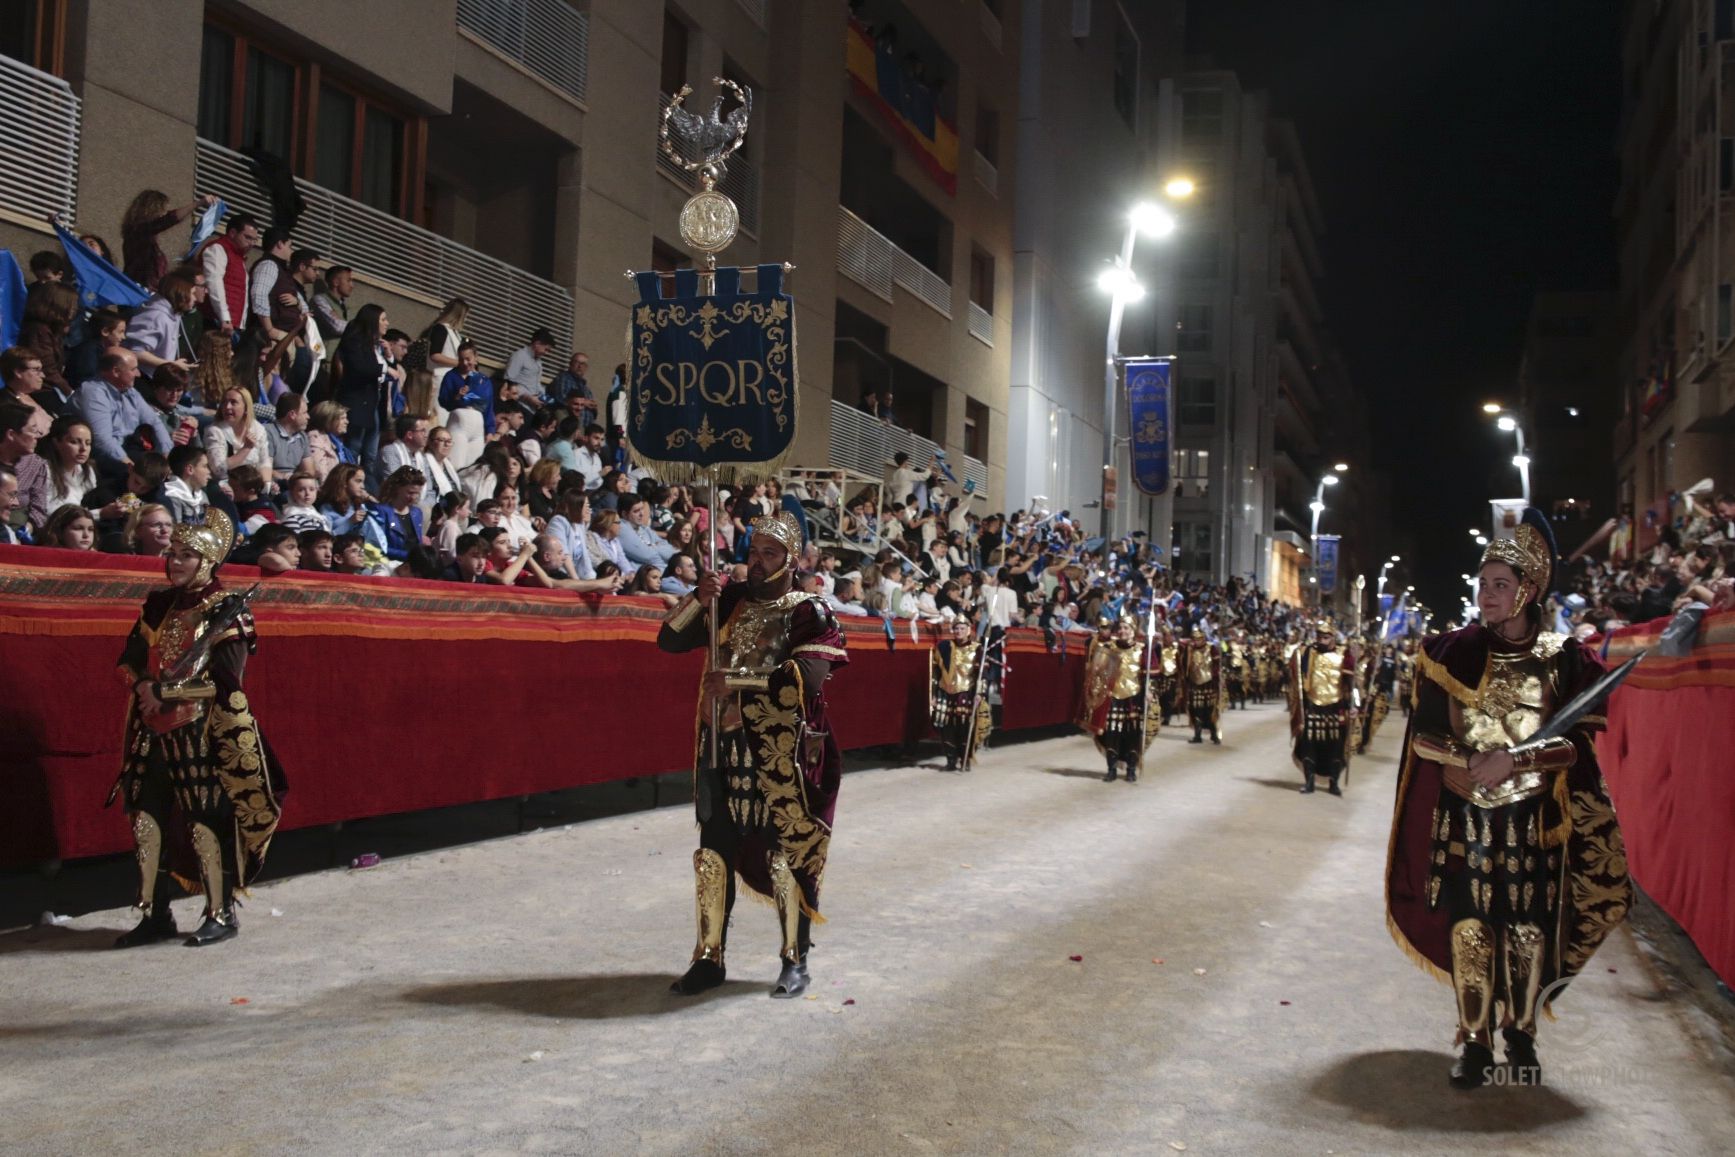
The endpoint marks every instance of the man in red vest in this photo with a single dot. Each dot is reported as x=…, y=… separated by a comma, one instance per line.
x=225, y=263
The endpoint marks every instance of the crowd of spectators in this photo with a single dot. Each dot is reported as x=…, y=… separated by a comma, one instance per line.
x=1687, y=558
x=255, y=381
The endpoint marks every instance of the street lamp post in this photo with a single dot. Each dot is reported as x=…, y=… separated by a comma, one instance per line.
x=1318, y=508
x=1123, y=285
x=1508, y=422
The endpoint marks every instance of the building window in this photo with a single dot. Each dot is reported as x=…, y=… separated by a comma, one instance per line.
x=975, y=429
x=1724, y=20
x=34, y=31
x=1126, y=72
x=1194, y=326
x=1726, y=164
x=1199, y=254
x=1192, y=473
x=1201, y=118
x=1193, y=546
x=988, y=134
x=1197, y=401
x=1725, y=304
x=336, y=135
x=982, y=279
x=675, y=48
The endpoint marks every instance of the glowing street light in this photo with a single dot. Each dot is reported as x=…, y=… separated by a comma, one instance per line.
x=1492, y=407
x=1341, y=467
x=1180, y=188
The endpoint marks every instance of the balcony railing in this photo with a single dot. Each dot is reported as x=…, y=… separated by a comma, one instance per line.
x=861, y=442
x=868, y=257
x=986, y=174
x=39, y=122
x=740, y=182
x=550, y=38
x=990, y=25
x=506, y=303
x=981, y=324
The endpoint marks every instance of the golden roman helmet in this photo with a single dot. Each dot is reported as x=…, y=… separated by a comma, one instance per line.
x=1530, y=553
x=211, y=540
x=781, y=527
x=1325, y=627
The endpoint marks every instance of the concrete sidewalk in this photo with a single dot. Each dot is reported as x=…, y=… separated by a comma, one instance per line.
x=1237, y=993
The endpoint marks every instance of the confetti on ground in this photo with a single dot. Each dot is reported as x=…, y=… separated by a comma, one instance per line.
x=277, y=911
x=239, y=1000
x=850, y=1001
x=535, y=1056
x=1198, y=972
x=810, y=998
x=966, y=865
x=1076, y=959
x=1265, y=923
x=1178, y=1145
x=1158, y=960
x=1283, y=1002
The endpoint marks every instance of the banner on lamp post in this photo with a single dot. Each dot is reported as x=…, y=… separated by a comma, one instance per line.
x=1150, y=409
x=1327, y=563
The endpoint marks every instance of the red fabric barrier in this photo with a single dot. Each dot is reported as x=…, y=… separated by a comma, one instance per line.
x=387, y=695
x=1669, y=759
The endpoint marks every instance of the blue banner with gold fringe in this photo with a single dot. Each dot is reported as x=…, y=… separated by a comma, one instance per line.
x=1149, y=407
x=1326, y=564
x=713, y=378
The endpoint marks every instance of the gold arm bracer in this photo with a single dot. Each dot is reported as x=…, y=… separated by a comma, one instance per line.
x=1549, y=755
x=684, y=614
x=176, y=692
x=1441, y=749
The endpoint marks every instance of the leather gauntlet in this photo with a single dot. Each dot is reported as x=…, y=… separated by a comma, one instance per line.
x=1442, y=749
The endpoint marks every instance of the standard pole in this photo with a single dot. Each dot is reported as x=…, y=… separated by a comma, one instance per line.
x=711, y=611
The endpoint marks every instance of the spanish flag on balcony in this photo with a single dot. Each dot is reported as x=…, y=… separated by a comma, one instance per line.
x=904, y=103
x=1658, y=386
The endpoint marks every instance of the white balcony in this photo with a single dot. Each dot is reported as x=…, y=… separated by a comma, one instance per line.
x=506, y=303
x=861, y=442
x=981, y=324
x=740, y=182
x=868, y=257
x=548, y=38
x=39, y=123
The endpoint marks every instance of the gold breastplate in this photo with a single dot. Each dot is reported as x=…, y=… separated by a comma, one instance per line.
x=1129, y=677
x=1169, y=665
x=1514, y=699
x=174, y=637
x=1199, y=665
x=755, y=640
x=1325, y=678
x=960, y=676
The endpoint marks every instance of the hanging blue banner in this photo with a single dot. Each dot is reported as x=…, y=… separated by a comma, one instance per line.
x=713, y=377
x=1149, y=408
x=1326, y=564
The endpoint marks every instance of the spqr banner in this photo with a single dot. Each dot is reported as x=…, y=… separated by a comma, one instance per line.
x=1327, y=563
x=1150, y=411
x=712, y=377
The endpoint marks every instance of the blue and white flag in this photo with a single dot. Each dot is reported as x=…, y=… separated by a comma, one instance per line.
x=12, y=293
x=99, y=283
x=205, y=225
x=1327, y=563
x=1149, y=407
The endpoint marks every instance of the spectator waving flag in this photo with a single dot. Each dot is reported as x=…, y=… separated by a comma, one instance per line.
x=99, y=283
x=205, y=225
x=11, y=298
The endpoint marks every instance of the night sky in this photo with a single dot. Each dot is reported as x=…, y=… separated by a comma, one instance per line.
x=1464, y=153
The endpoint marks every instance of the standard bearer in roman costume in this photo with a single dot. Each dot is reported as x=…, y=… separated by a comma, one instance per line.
x=765, y=800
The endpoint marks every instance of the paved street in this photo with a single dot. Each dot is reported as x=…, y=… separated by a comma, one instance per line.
x=1237, y=993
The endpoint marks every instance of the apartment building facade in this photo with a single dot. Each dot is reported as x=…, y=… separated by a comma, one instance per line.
x=506, y=151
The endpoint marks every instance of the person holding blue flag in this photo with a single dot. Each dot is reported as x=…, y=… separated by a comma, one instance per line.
x=146, y=219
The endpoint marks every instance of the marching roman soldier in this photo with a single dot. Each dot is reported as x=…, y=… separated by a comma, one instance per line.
x=1321, y=708
x=765, y=802
x=1237, y=671
x=1118, y=711
x=1203, y=685
x=1506, y=867
x=1166, y=676
x=957, y=700
x=192, y=743
x=1406, y=675
x=1380, y=684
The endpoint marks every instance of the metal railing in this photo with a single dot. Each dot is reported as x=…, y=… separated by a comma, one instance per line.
x=981, y=324
x=868, y=257
x=986, y=174
x=861, y=442
x=740, y=181
x=757, y=9
x=551, y=38
x=506, y=303
x=39, y=124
